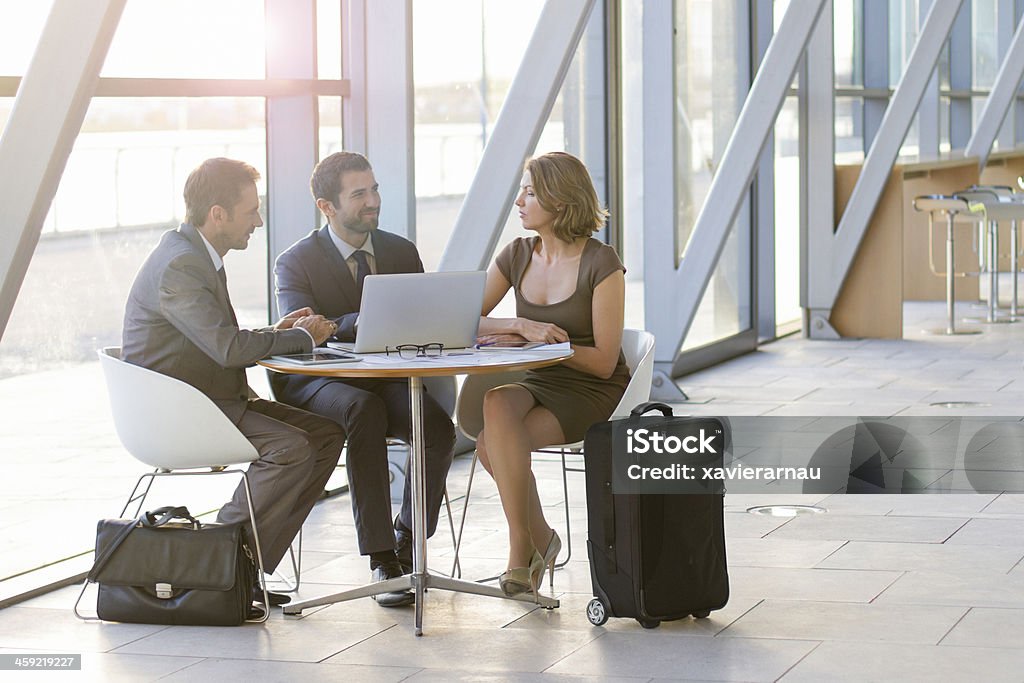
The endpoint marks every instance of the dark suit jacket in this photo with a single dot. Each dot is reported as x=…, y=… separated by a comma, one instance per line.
x=312, y=273
x=178, y=321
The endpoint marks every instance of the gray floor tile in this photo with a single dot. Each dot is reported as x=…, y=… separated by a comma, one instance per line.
x=995, y=532
x=53, y=629
x=842, y=585
x=279, y=639
x=863, y=528
x=832, y=621
x=972, y=589
x=286, y=672
x=923, y=556
x=744, y=525
x=571, y=615
x=1009, y=504
x=482, y=650
x=456, y=676
x=855, y=662
x=681, y=657
x=100, y=666
x=778, y=552
x=989, y=627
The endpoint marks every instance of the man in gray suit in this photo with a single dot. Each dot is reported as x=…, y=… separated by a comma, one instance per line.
x=179, y=321
x=325, y=271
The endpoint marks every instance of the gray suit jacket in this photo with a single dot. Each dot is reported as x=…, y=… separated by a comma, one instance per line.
x=179, y=321
x=312, y=273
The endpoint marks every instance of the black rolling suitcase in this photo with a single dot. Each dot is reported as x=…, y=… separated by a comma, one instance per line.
x=654, y=556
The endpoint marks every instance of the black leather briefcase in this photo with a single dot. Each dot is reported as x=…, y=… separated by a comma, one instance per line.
x=155, y=570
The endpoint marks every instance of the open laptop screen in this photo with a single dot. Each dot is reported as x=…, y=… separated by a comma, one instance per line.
x=419, y=308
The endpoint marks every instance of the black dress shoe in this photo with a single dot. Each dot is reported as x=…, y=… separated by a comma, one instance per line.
x=276, y=599
x=403, y=546
x=391, y=570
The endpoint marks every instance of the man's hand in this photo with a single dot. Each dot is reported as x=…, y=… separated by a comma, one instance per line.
x=288, y=321
x=318, y=326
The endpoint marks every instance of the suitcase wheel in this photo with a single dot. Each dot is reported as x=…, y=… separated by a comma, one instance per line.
x=596, y=612
x=649, y=623
x=703, y=614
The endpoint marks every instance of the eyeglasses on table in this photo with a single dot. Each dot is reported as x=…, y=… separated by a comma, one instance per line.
x=411, y=351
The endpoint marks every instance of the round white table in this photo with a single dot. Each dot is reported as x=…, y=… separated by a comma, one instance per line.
x=452, y=363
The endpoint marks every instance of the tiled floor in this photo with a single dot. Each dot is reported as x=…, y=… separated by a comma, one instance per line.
x=885, y=587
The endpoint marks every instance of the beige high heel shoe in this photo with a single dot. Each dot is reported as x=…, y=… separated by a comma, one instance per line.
x=523, y=579
x=550, y=555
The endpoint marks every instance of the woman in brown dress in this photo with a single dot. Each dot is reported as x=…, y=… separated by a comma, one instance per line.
x=568, y=287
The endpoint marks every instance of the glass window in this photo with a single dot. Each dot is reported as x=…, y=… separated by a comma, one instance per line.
x=329, y=115
x=19, y=32
x=984, y=43
x=120, y=191
x=188, y=39
x=632, y=167
x=711, y=80
x=903, y=26
x=787, y=214
x=848, y=41
x=328, y=39
x=460, y=87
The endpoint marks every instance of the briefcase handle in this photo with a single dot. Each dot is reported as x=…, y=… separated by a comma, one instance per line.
x=167, y=513
x=649, y=406
x=161, y=516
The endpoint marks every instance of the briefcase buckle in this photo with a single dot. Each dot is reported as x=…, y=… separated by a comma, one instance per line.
x=163, y=591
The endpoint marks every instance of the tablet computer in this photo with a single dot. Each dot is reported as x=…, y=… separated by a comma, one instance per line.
x=317, y=357
x=506, y=345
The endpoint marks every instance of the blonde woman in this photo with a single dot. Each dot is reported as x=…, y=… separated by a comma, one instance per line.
x=568, y=287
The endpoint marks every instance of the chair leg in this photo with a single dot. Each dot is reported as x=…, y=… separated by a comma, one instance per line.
x=462, y=520
x=295, y=556
x=456, y=567
x=259, y=549
x=568, y=529
x=140, y=497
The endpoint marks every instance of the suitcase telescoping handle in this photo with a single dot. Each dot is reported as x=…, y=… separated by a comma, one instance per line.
x=649, y=406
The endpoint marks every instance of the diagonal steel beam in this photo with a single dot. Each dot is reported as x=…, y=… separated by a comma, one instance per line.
x=516, y=132
x=1004, y=90
x=731, y=182
x=886, y=147
x=44, y=122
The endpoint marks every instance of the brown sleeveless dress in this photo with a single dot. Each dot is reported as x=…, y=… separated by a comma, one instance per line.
x=576, y=399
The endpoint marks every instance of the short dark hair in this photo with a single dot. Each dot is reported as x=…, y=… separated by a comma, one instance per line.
x=215, y=182
x=325, y=182
x=564, y=188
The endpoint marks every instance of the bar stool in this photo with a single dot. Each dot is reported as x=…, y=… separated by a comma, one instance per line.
x=955, y=209
x=995, y=208
x=1006, y=195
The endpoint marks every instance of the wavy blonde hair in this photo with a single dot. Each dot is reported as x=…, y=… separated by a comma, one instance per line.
x=563, y=187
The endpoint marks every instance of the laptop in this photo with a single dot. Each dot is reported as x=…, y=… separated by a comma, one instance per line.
x=418, y=308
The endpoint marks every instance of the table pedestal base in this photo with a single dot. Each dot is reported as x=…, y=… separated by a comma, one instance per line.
x=420, y=583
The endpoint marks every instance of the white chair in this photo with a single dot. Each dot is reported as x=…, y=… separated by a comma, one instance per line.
x=638, y=349
x=172, y=426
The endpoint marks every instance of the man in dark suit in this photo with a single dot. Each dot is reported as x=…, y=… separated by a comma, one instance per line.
x=179, y=321
x=325, y=271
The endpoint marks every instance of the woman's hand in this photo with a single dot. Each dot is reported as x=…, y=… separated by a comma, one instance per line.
x=488, y=339
x=549, y=333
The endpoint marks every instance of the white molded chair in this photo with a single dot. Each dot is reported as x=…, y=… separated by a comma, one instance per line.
x=638, y=349
x=172, y=426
